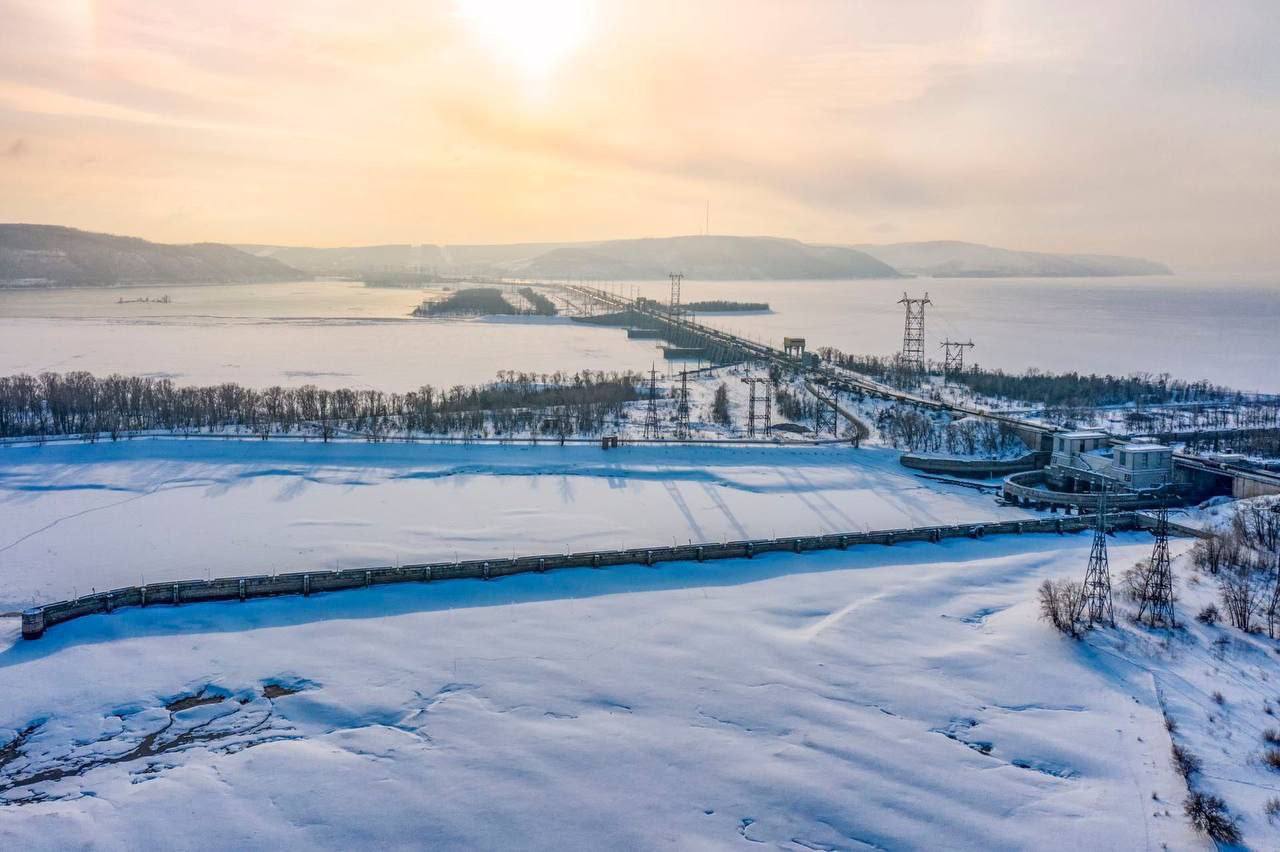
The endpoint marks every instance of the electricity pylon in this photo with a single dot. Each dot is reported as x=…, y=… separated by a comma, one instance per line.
x=682, y=407
x=953, y=357
x=1096, y=600
x=652, y=428
x=913, y=333
x=673, y=306
x=1157, y=597
x=754, y=417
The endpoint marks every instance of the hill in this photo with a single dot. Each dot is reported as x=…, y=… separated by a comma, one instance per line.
x=54, y=256
x=701, y=257
x=953, y=259
x=705, y=258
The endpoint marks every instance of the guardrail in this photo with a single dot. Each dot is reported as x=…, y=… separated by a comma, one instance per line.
x=36, y=620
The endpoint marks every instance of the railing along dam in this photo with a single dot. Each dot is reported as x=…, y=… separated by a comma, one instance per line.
x=38, y=619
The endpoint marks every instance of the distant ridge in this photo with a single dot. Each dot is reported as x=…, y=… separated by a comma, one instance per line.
x=708, y=258
x=700, y=257
x=54, y=256
x=953, y=259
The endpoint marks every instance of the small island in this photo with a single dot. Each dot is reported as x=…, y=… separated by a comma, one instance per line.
x=538, y=303
x=724, y=306
x=486, y=301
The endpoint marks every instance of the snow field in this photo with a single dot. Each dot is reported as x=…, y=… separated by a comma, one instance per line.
x=77, y=517
x=902, y=697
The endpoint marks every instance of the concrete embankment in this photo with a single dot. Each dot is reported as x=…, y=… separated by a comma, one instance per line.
x=40, y=618
x=975, y=468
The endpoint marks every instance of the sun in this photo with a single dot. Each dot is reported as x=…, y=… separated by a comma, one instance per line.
x=532, y=36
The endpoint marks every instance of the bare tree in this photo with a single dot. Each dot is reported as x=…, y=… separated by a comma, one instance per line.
x=1241, y=585
x=1060, y=603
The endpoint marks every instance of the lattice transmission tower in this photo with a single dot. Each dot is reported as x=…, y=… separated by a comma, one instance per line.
x=652, y=427
x=682, y=407
x=673, y=306
x=758, y=420
x=825, y=415
x=953, y=356
x=1095, y=603
x=913, y=333
x=1157, y=597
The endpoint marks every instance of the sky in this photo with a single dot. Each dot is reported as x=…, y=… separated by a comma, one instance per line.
x=1145, y=128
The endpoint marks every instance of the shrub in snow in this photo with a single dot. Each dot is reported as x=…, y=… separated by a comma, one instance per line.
x=1208, y=615
x=1186, y=763
x=1271, y=758
x=1272, y=809
x=1209, y=814
x=1271, y=736
x=1060, y=605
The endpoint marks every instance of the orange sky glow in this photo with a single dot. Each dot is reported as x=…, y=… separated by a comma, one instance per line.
x=1133, y=127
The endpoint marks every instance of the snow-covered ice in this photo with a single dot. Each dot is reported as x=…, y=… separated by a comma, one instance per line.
x=900, y=697
x=74, y=517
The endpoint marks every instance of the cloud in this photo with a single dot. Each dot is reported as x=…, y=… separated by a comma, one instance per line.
x=1031, y=122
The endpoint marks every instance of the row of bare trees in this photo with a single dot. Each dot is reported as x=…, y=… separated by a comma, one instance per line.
x=82, y=404
x=906, y=427
x=1244, y=558
x=1061, y=391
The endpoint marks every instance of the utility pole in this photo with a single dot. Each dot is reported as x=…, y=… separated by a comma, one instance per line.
x=652, y=428
x=1096, y=600
x=953, y=357
x=1157, y=597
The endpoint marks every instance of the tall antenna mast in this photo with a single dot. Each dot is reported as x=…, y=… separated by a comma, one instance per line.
x=913, y=333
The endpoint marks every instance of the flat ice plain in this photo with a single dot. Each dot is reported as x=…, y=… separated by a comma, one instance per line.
x=883, y=698
x=75, y=516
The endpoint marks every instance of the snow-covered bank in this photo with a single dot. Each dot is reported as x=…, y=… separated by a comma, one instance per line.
x=76, y=516
x=889, y=698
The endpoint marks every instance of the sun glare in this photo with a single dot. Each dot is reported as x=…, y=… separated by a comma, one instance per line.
x=533, y=37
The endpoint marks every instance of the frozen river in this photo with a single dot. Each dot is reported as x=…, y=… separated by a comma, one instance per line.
x=1223, y=330
x=79, y=516
x=343, y=334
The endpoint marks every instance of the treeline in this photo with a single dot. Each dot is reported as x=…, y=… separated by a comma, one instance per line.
x=540, y=304
x=906, y=427
x=476, y=301
x=1245, y=413
x=81, y=404
x=1266, y=444
x=1061, y=390
x=1244, y=558
x=725, y=305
